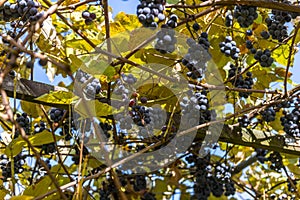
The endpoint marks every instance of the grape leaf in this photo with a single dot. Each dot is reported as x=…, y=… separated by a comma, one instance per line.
x=57, y=97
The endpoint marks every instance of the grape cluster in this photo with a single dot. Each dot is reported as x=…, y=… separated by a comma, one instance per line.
x=92, y=88
x=196, y=58
x=39, y=127
x=24, y=122
x=240, y=81
x=276, y=161
x=285, y=104
x=13, y=35
x=157, y=120
x=56, y=114
x=150, y=11
x=229, y=48
x=215, y=179
x=121, y=89
x=5, y=166
x=245, y=15
x=269, y=114
x=125, y=121
x=228, y=19
x=291, y=121
x=172, y=21
x=129, y=79
x=196, y=26
x=276, y=29
x=30, y=64
x=165, y=40
x=140, y=115
x=265, y=34
x=88, y=17
x=244, y=121
x=157, y=117
x=222, y=172
x=249, y=32
x=196, y=101
x=276, y=23
x=43, y=61
x=264, y=57
x=27, y=10
x=286, y=16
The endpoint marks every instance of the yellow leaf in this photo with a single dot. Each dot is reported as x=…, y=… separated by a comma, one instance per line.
x=3, y=193
x=129, y=21
x=15, y=147
x=23, y=197
x=93, y=108
x=115, y=28
x=45, y=137
x=176, y=176
x=69, y=2
x=281, y=72
x=32, y=109
x=259, y=28
x=57, y=97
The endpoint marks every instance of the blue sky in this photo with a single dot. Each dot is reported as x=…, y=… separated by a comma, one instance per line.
x=296, y=69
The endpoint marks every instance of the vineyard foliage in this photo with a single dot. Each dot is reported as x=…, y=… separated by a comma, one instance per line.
x=183, y=99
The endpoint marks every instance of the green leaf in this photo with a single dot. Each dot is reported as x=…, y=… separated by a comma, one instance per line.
x=57, y=97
